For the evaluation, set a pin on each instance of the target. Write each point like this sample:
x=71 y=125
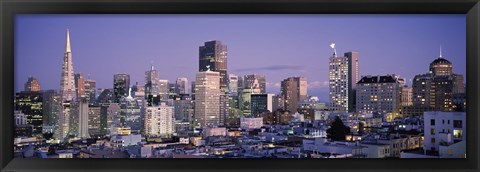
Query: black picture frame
x=9 y=8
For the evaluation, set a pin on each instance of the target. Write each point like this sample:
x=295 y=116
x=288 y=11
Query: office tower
x=20 y=118
x=22 y=128
x=79 y=85
x=207 y=99
x=94 y=121
x=380 y=94
x=184 y=107
x=171 y=90
x=181 y=86
x=67 y=83
x=261 y=103
x=51 y=107
x=164 y=90
x=343 y=76
x=113 y=118
x=255 y=81
x=106 y=97
x=32 y=84
x=294 y=91
x=444 y=130
x=159 y=121
x=90 y=91
x=434 y=91
x=407 y=96
x=241 y=84
x=245 y=101
x=277 y=102
x=131 y=110
x=193 y=90
x=152 y=85
x=232 y=84
x=31 y=104
x=138 y=91
x=63 y=125
x=83 y=118
x=121 y=86
x=213 y=57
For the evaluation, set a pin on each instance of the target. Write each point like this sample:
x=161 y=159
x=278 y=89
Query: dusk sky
x=277 y=46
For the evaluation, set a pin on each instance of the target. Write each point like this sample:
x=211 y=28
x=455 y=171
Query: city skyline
x=94 y=46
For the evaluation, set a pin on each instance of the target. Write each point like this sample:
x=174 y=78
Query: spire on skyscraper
x=67 y=46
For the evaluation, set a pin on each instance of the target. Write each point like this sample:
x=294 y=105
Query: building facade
x=294 y=91
x=213 y=57
x=207 y=99
x=343 y=76
x=379 y=94
x=32 y=84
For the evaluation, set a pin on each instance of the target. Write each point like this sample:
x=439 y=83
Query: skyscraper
x=31 y=104
x=79 y=85
x=261 y=103
x=90 y=91
x=434 y=90
x=67 y=83
x=294 y=91
x=121 y=86
x=207 y=99
x=164 y=90
x=213 y=57
x=51 y=106
x=181 y=86
x=83 y=118
x=233 y=84
x=255 y=81
x=343 y=76
x=32 y=84
x=152 y=85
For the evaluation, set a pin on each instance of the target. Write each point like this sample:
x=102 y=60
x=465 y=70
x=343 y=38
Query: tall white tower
x=67 y=83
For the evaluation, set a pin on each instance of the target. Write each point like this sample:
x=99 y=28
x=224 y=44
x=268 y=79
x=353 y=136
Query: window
x=432 y=122
x=450 y=152
x=432 y=141
x=432 y=131
x=457 y=124
x=457 y=134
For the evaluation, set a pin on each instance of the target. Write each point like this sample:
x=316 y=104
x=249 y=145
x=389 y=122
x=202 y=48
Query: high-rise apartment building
x=380 y=94
x=343 y=76
x=159 y=121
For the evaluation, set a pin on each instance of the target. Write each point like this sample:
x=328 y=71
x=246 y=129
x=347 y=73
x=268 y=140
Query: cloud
x=272 y=68
x=318 y=84
x=273 y=85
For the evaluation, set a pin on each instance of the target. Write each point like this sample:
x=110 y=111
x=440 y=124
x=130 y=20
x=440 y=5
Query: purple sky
x=278 y=46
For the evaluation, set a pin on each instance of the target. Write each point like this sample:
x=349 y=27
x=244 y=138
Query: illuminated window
x=457 y=133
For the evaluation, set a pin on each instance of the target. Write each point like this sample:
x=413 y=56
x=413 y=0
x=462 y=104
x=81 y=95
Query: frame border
x=9 y=8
